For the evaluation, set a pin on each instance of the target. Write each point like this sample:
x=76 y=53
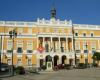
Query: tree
x=96 y=56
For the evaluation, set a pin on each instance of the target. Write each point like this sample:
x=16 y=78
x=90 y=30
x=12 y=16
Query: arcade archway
x=63 y=59
x=48 y=58
x=70 y=62
x=56 y=58
x=48 y=62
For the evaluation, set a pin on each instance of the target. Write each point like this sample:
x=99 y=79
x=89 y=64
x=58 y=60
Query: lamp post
x=0 y=51
x=12 y=34
x=87 y=53
x=73 y=32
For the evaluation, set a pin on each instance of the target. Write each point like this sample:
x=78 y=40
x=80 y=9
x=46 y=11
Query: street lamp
x=87 y=53
x=12 y=34
x=0 y=51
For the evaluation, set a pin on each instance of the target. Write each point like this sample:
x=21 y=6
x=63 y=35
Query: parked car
x=4 y=67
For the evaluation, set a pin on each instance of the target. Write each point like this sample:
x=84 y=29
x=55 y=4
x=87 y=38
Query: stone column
x=37 y=42
x=49 y=44
x=73 y=62
x=72 y=44
x=43 y=42
x=51 y=48
x=98 y=44
x=59 y=45
x=66 y=44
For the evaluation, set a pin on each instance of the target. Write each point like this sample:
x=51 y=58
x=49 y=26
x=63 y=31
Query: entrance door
x=48 y=62
x=55 y=60
x=77 y=62
x=70 y=62
x=86 y=61
x=41 y=62
x=63 y=59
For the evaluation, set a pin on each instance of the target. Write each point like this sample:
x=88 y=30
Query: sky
x=79 y=11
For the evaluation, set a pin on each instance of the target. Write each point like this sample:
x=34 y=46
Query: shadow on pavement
x=5 y=76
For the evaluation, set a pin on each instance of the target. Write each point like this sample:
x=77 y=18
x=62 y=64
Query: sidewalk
x=30 y=76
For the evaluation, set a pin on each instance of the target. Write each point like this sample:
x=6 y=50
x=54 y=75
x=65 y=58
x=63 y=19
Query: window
x=9 y=51
x=29 y=51
x=85 y=51
x=78 y=51
x=19 y=62
x=62 y=48
x=93 y=46
x=20 y=46
x=29 y=62
x=19 y=50
x=47 y=47
x=85 y=45
x=9 y=62
x=84 y=34
x=93 y=50
x=77 y=45
x=9 y=46
x=29 y=47
x=76 y=34
x=91 y=34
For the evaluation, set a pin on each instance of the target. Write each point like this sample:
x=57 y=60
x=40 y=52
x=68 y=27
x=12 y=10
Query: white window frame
x=29 y=63
x=19 y=63
x=92 y=33
x=85 y=34
x=76 y=31
x=9 y=62
x=93 y=45
x=20 y=43
x=9 y=44
x=77 y=45
x=84 y=45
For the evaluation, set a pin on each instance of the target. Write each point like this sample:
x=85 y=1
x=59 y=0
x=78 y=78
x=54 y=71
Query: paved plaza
x=75 y=74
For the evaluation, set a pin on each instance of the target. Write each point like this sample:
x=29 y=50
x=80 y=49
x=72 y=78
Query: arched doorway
x=48 y=62
x=48 y=58
x=63 y=59
x=70 y=62
x=56 y=60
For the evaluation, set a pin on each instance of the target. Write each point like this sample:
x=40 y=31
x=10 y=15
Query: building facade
x=55 y=41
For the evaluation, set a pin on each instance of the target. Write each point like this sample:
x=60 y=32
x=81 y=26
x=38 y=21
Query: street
x=75 y=74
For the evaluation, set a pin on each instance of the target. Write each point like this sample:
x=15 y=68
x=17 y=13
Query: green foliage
x=43 y=67
x=67 y=66
x=81 y=66
x=20 y=70
x=95 y=65
x=96 y=56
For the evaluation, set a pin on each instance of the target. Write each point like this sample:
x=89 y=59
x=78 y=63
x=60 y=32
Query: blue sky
x=79 y=11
